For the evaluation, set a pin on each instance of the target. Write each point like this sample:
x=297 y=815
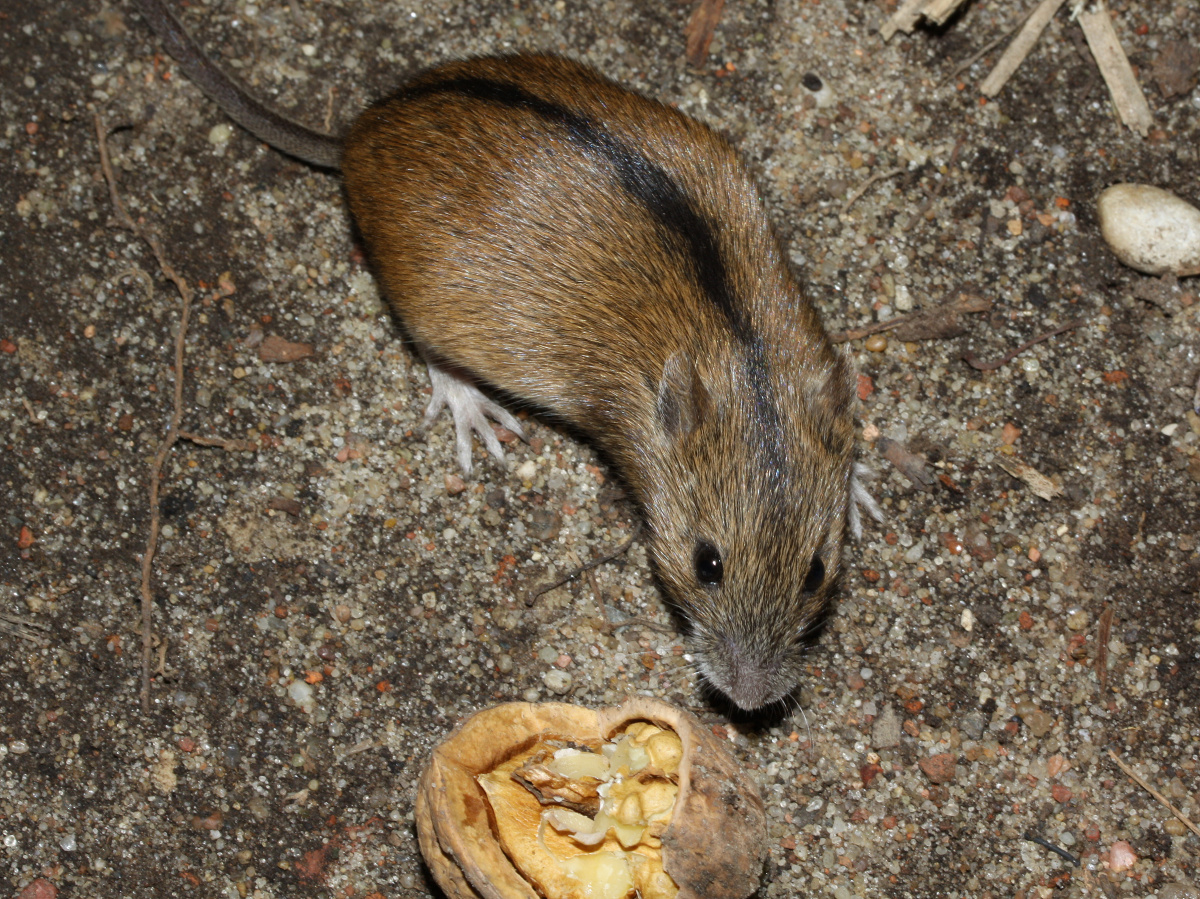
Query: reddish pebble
x=1026 y=621
x=31 y=128
x=273 y=347
x=25 y=538
x=952 y=543
x=187 y=744
x=7 y=346
x=1009 y=433
x=1121 y=856
x=211 y=821
x=563 y=661
x=868 y=773
x=940 y=768
x=454 y=484
x=1060 y=793
x=866 y=387
x=39 y=889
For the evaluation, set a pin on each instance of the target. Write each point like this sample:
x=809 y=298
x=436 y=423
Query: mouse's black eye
x=708 y=565
x=815 y=576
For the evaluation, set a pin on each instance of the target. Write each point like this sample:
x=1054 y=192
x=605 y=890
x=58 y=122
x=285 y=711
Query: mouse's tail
x=264 y=123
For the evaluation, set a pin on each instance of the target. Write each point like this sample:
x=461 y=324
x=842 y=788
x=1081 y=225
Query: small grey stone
x=558 y=681
x=885 y=732
x=1179 y=891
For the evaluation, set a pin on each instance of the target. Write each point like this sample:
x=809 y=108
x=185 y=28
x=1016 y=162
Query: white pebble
x=1150 y=229
x=219 y=135
x=302 y=694
x=558 y=681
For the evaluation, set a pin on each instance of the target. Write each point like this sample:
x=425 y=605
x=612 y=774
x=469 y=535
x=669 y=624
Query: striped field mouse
x=545 y=233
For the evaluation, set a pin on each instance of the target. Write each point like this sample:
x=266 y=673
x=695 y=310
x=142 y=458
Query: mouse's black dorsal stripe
x=654 y=189
x=669 y=205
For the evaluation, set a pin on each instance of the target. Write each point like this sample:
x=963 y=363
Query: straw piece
x=904 y=19
x=1020 y=47
x=938 y=11
x=1118 y=73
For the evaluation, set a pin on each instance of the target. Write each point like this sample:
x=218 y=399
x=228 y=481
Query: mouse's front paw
x=471 y=411
x=861 y=499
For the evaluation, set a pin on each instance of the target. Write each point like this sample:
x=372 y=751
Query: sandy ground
x=328 y=604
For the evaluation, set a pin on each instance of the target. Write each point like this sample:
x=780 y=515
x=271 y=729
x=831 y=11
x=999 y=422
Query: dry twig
x=972 y=360
x=173 y=435
x=1036 y=481
x=1133 y=775
x=1106 y=618
x=974 y=58
x=912 y=465
x=586 y=566
x=1021 y=46
x=25 y=628
x=700 y=28
x=940 y=321
x=866 y=185
x=939 y=11
x=903 y=19
x=1118 y=74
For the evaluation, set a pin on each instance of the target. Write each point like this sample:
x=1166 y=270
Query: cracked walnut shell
x=496 y=822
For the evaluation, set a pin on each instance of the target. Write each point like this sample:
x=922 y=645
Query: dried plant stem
x=866 y=185
x=587 y=566
x=173 y=435
x=975 y=363
x=700 y=29
x=1035 y=23
x=1102 y=638
x=1118 y=74
x=1133 y=775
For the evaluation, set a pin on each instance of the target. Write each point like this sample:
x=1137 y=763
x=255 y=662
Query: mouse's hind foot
x=471 y=410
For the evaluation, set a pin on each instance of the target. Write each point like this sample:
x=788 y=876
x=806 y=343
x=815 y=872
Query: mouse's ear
x=683 y=401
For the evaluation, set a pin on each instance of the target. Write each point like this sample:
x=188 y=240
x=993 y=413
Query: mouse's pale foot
x=861 y=499
x=471 y=411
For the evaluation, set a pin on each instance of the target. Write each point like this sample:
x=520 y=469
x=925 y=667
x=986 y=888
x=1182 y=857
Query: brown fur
x=507 y=251
x=606 y=258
